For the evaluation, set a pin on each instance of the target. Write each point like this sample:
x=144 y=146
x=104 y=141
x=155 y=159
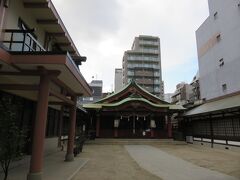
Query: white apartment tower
x=218 y=46
x=143 y=64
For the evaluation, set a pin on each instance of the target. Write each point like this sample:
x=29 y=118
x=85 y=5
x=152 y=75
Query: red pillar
x=116 y=132
x=169 y=127
x=71 y=135
x=36 y=162
x=152 y=133
x=60 y=127
x=98 y=125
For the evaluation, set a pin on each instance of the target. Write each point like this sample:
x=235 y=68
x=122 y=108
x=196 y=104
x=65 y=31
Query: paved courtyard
x=110 y=162
x=224 y=161
x=148 y=162
x=170 y=167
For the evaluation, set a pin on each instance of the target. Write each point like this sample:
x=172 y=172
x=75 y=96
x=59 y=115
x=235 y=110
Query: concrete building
x=218 y=45
x=118 y=81
x=194 y=97
x=143 y=64
x=216 y=122
x=168 y=97
x=182 y=93
x=96 y=86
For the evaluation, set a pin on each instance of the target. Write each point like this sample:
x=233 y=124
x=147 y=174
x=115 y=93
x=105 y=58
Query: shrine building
x=132 y=112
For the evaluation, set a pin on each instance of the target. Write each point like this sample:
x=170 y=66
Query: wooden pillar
x=60 y=126
x=71 y=135
x=115 y=132
x=36 y=162
x=169 y=126
x=211 y=130
x=152 y=133
x=98 y=125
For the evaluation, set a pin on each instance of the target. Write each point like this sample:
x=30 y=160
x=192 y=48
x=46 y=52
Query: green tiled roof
x=124 y=88
x=130 y=99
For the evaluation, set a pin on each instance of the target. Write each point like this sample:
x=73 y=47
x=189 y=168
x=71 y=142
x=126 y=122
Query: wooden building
x=214 y=123
x=39 y=67
x=131 y=113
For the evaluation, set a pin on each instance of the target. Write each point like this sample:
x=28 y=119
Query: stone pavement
x=110 y=162
x=54 y=167
x=169 y=167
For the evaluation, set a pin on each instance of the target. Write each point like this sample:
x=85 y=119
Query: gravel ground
x=110 y=162
x=225 y=161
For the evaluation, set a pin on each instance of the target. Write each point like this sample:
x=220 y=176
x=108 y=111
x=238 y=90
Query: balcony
x=144 y=42
x=145 y=66
x=21 y=40
x=148 y=50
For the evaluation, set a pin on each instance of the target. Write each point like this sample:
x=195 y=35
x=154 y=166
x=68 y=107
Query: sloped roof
x=218 y=105
x=132 y=99
x=134 y=85
x=138 y=94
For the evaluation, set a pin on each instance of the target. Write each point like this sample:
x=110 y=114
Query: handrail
x=72 y=61
x=19 y=30
x=31 y=45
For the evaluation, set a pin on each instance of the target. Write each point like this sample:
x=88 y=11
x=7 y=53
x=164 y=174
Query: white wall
x=210 y=51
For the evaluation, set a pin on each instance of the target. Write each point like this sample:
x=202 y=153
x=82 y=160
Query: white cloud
x=104 y=29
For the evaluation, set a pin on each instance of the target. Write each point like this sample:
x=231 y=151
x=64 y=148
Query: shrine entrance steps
x=112 y=141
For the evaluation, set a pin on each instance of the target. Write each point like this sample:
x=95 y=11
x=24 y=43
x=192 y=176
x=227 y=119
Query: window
x=224 y=87
x=221 y=62
x=218 y=37
x=215 y=15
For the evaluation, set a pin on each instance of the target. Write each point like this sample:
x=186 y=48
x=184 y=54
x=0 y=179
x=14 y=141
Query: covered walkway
x=54 y=167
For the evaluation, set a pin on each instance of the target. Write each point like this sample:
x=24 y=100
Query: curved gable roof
x=130 y=89
x=133 y=99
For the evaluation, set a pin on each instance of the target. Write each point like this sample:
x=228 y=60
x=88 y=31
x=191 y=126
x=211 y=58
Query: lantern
x=116 y=123
x=152 y=123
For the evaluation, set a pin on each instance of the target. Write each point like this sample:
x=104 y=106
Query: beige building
x=182 y=94
x=143 y=64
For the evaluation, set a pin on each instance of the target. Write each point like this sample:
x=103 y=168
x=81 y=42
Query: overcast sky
x=103 y=29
